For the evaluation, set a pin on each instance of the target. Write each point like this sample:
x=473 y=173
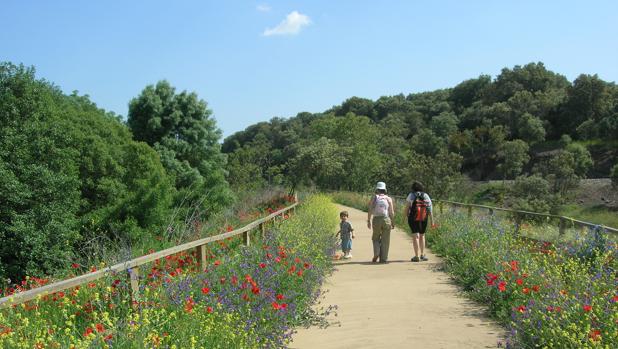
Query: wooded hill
x=528 y=121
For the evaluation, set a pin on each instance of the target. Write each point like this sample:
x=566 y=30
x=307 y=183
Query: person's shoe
x=374 y=259
x=423 y=258
x=414 y=259
x=349 y=255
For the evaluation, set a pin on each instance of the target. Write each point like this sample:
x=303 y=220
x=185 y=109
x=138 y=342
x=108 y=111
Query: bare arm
x=369 y=210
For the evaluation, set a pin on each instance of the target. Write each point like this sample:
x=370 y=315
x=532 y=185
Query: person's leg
x=421 y=243
x=375 y=238
x=415 y=241
x=386 y=240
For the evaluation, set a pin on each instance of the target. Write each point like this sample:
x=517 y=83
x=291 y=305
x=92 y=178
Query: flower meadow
x=562 y=295
x=548 y=295
x=244 y=297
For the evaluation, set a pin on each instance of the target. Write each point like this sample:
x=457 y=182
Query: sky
x=254 y=60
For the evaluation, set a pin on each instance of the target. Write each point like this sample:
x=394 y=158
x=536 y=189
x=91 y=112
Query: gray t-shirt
x=346 y=230
x=412 y=196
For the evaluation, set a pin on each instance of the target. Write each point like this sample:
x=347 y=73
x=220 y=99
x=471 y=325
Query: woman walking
x=419 y=210
x=383 y=211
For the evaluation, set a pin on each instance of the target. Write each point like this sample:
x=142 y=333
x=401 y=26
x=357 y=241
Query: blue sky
x=253 y=60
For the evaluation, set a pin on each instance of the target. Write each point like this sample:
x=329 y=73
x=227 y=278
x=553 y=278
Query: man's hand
x=353 y=236
x=369 y=224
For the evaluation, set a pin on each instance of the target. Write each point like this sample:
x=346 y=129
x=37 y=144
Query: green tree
x=320 y=162
x=513 y=156
x=181 y=129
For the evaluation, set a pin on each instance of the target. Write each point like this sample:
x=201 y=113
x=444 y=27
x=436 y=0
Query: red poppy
x=255 y=290
x=526 y=290
x=514 y=265
x=306 y=265
x=519 y=281
x=594 y=335
x=615 y=299
x=284 y=305
x=100 y=328
x=74 y=265
x=299 y=273
x=93 y=269
x=502 y=286
x=209 y=309
x=217 y=262
x=108 y=337
x=262 y=265
x=521 y=308
x=88 y=331
x=205 y=290
x=587 y=308
x=280 y=296
x=535 y=288
x=276 y=305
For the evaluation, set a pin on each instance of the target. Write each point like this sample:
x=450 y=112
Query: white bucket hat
x=381 y=186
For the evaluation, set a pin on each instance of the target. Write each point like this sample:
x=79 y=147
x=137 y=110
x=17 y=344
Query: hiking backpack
x=418 y=209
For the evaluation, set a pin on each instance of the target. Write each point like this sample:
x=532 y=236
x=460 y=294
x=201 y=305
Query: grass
x=594 y=214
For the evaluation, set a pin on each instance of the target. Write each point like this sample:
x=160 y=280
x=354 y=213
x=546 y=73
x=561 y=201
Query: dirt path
x=397 y=305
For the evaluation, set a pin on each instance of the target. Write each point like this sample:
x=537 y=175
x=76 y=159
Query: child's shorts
x=346 y=244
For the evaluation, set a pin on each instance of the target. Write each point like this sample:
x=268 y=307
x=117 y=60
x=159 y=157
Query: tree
x=319 y=162
x=444 y=124
x=531 y=194
x=530 y=129
x=614 y=176
x=582 y=160
x=180 y=128
x=514 y=155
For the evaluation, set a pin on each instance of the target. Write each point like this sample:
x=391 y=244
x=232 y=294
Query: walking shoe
x=423 y=258
x=414 y=259
x=374 y=259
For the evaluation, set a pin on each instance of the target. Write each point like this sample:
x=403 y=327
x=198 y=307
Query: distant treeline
x=528 y=123
x=75 y=178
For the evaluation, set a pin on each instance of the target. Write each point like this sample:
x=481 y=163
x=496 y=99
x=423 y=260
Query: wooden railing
x=132 y=267
x=519 y=214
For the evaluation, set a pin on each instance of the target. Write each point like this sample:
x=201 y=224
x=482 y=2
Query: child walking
x=346 y=232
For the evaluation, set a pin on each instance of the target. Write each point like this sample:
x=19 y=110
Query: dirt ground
x=397 y=305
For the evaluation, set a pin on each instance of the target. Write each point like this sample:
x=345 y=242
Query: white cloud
x=263 y=8
x=291 y=25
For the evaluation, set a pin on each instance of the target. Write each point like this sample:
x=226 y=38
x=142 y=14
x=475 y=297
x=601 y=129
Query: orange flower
x=100 y=328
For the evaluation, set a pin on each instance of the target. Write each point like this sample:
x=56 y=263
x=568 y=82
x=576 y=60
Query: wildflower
x=217 y=262
x=262 y=265
x=594 y=334
x=615 y=299
x=255 y=290
x=205 y=290
x=88 y=331
x=276 y=305
x=519 y=281
x=514 y=265
x=209 y=309
x=100 y=328
x=189 y=305
x=284 y=305
x=521 y=308
x=502 y=286
x=526 y=290
x=74 y=265
x=587 y=308
x=280 y=296
x=535 y=288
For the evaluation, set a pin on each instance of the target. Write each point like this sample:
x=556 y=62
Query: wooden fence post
x=201 y=255
x=491 y=211
x=134 y=280
x=246 y=237
x=517 y=222
x=469 y=211
x=562 y=226
x=263 y=230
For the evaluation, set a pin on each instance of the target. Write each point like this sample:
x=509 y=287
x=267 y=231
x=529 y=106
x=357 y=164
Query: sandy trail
x=397 y=305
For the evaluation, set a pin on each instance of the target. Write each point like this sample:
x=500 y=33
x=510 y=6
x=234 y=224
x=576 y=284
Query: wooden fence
x=132 y=267
x=563 y=221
